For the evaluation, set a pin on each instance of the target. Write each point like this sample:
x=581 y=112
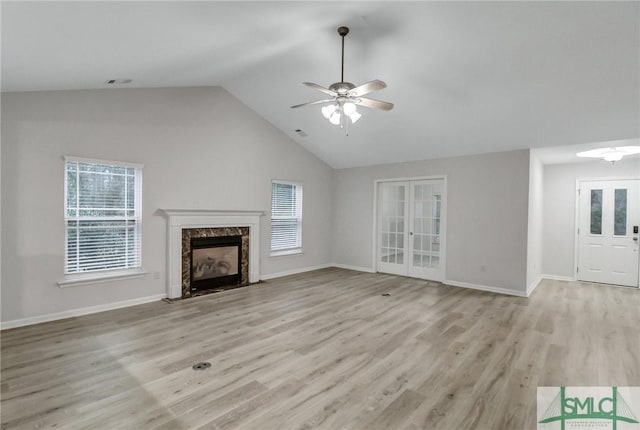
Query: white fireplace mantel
x=180 y=219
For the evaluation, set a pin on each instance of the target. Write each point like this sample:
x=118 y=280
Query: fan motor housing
x=342 y=87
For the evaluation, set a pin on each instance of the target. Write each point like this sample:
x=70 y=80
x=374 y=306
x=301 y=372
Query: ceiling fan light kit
x=341 y=109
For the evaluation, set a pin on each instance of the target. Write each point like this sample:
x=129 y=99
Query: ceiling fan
x=341 y=109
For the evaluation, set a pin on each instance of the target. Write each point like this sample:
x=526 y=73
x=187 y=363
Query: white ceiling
x=466 y=77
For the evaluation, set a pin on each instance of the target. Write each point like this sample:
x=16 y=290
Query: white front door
x=410 y=230
x=609 y=218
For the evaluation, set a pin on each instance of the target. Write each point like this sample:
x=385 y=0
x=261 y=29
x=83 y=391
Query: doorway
x=608 y=222
x=410 y=228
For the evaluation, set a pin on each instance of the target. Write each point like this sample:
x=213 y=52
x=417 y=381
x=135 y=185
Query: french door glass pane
x=620 y=218
x=427 y=243
x=426 y=225
x=392 y=225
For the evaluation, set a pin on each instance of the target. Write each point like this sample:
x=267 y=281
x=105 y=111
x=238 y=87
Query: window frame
x=103 y=275
x=300 y=195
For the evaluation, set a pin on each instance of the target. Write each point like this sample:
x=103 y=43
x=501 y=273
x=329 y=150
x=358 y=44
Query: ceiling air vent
x=118 y=81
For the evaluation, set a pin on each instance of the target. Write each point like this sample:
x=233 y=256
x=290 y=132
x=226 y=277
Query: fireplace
x=215 y=262
x=185 y=224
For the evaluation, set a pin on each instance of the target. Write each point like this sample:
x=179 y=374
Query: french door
x=609 y=217
x=410 y=228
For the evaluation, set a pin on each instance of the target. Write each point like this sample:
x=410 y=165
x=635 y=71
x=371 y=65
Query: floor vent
x=201 y=366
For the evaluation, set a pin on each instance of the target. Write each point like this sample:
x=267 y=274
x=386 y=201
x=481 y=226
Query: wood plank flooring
x=322 y=349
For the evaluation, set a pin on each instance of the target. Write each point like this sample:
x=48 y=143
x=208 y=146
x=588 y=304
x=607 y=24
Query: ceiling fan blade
x=369 y=87
x=320 y=88
x=371 y=103
x=312 y=103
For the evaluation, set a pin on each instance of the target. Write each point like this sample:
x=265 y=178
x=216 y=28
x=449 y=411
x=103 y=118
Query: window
x=620 y=212
x=596 y=212
x=102 y=216
x=286 y=218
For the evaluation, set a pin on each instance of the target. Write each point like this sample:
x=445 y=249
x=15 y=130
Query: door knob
x=635 y=238
x=411 y=234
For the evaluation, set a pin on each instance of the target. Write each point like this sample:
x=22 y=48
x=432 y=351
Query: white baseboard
x=558 y=278
x=533 y=285
x=81 y=311
x=486 y=288
x=294 y=271
x=356 y=268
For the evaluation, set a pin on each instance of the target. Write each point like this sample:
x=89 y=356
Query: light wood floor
x=322 y=350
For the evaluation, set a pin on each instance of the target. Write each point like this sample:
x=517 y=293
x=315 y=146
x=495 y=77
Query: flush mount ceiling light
x=341 y=108
x=610 y=154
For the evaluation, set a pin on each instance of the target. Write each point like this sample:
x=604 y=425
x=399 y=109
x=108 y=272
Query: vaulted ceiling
x=465 y=77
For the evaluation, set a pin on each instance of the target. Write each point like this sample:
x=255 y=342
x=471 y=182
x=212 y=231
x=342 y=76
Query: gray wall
x=509 y=217
x=487 y=202
x=535 y=229
x=202 y=149
x=560 y=208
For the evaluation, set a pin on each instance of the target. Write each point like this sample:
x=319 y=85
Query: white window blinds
x=286 y=216
x=102 y=215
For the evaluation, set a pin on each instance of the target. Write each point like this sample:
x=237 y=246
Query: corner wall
x=202 y=149
x=535 y=221
x=487 y=204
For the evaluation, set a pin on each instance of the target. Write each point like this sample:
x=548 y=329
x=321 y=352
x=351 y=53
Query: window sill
x=285 y=252
x=97 y=278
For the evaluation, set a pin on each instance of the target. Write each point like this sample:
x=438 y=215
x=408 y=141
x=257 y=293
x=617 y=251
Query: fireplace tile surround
x=214 y=222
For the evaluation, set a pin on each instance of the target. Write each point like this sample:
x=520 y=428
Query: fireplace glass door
x=209 y=263
x=215 y=262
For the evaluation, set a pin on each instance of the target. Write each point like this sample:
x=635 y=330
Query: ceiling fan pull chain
x=347 y=121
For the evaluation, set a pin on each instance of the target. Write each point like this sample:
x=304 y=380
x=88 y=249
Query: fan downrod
x=342 y=31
